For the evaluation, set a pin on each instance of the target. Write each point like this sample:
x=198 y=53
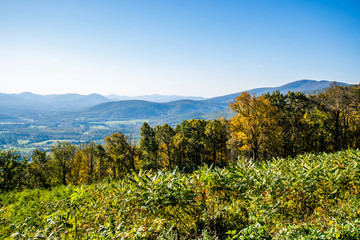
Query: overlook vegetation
x=207 y=179
x=306 y=197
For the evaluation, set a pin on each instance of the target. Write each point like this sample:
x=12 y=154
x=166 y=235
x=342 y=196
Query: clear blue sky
x=184 y=47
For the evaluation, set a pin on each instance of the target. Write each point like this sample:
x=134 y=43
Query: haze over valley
x=29 y=121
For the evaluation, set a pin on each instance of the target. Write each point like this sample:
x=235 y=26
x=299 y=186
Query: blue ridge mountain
x=184 y=109
x=31 y=102
x=95 y=106
x=29 y=120
x=139 y=109
x=154 y=98
x=304 y=86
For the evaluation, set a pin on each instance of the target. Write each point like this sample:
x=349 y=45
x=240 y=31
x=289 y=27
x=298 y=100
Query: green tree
x=165 y=137
x=121 y=154
x=11 y=170
x=338 y=103
x=149 y=146
x=62 y=159
x=216 y=139
x=292 y=110
x=102 y=162
x=196 y=139
x=189 y=142
x=180 y=156
x=39 y=170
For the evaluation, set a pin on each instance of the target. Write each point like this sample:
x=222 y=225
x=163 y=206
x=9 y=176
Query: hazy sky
x=185 y=47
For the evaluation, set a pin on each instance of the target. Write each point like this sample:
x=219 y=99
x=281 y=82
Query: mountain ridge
x=52 y=102
x=154 y=98
x=85 y=121
x=304 y=86
x=141 y=109
x=34 y=103
x=180 y=109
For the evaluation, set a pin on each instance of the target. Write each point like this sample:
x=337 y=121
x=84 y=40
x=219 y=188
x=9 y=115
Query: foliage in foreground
x=310 y=196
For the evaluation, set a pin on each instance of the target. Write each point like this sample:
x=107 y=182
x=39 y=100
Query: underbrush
x=307 y=197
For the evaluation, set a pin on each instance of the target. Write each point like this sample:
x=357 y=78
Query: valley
x=29 y=121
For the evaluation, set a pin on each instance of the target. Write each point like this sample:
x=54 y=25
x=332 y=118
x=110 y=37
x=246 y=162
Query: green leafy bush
x=306 y=197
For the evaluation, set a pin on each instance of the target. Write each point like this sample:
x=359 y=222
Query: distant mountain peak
x=27 y=94
x=52 y=102
x=59 y=102
x=303 y=85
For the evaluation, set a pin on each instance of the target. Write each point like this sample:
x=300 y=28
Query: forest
x=282 y=167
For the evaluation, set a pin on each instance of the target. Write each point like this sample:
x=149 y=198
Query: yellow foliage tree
x=256 y=126
x=77 y=167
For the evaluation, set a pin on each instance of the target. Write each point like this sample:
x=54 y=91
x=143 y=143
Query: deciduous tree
x=149 y=145
x=121 y=154
x=11 y=170
x=39 y=170
x=63 y=154
x=256 y=125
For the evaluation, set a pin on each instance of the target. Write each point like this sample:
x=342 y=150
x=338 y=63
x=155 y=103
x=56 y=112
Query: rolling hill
x=304 y=86
x=145 y=106
x=138 y=109
x=154 y=98
x=185 y=109
x=30 y=102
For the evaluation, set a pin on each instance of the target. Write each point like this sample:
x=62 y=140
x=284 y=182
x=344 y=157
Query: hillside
x=30 y=102
x=154 y=98
x=304 y=86
x=137 y=109
x=94 y=105
x=185 y=109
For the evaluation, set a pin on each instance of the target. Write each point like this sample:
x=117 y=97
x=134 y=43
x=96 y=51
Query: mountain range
x=54 y=102
x=154 y=98
x=304 y=86
x=170 y=112
x=176 y=111
x=29 y=121
x=98 y=107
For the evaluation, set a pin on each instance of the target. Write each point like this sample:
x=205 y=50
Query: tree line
x=263 y=127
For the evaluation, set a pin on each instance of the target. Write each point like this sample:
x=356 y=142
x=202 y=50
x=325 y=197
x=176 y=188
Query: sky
x=202 y=48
